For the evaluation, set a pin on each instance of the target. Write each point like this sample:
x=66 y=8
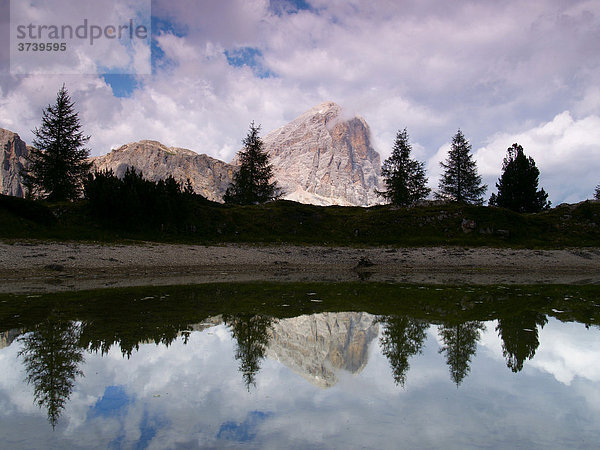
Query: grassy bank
x=288 y=222
x=136 y=315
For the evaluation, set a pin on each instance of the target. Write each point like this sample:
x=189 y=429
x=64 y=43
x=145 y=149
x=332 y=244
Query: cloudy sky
x=503 y=72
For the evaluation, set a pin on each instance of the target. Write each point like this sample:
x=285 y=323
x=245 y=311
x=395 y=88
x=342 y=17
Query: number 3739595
x=42 y=46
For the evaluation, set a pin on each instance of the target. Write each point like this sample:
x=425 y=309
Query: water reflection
x=52 y=355
x=401 y=339
x=405 y=328
x=318 y=346
x=251 y=335
x=519 y=336
x=459 y=345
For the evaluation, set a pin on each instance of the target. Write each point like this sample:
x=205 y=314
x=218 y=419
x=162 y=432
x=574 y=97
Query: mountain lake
x=302 y=365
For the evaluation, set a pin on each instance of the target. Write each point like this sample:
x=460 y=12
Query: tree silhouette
x=518 y=184
x=460 y=181
x=51 y=356
x=460 y=344
x=404 y=177
x=252 y=182
x=401 y=339
x=252 y=337
x=597 y=193
x=58 y=162
x=519 y=336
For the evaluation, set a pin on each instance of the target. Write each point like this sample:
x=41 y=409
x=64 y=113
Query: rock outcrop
x=209 y=177
x=318 y=346
x=13 y=152
x=324 y=159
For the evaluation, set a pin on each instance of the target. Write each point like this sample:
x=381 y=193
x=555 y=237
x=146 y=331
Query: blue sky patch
x=281 y=7
x=244 y=431
x=112 y=403
x=250 y=57
x=165 y=26
x=122 y=85
x=148 y=429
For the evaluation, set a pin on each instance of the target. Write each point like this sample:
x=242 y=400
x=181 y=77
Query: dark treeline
x=133 y=202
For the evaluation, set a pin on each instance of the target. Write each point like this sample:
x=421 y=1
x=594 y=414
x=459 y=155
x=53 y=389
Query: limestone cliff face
x=318 y=346
x=209 y=177
x=324 y=159
x=8 y=337
x=13 y=152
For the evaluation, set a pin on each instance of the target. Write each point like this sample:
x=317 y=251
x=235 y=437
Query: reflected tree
x=99 y=336
x=402 y=338
x=51 y=355
x=520 y=338
x=460 y=344
x=251 y=333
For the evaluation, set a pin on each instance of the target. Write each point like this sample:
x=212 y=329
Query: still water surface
x=272 y=366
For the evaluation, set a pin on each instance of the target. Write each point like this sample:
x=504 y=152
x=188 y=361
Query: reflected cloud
x=569 y=351
x=193 y=379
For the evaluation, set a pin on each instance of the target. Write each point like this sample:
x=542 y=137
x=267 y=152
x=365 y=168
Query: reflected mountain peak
x=7 y=337
x=316 y=347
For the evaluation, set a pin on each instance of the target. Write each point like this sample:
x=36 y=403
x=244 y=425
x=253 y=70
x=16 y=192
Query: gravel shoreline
x=32 y=267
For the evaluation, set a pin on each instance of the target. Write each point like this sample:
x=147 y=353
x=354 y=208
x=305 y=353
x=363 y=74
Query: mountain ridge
x=319 y=158
x=209 y=176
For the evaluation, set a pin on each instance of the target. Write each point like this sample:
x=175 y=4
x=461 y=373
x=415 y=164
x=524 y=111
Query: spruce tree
x=518 y=184
x=252 y=182
x=460 y=181
x=58 y=162
x=597 y=193
x=404 y=177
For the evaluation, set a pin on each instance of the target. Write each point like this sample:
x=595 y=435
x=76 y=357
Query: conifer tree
x=518 y=184
x=597 y=193
x=252 y=182
x=58 y=162
x=460 y=181
x=404 y=177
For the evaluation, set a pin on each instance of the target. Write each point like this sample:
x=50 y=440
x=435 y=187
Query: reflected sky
x=193 y=395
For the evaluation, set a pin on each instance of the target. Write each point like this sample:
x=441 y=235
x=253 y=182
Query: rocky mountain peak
x=209 y=177
x=13 y=152
x=321 y=157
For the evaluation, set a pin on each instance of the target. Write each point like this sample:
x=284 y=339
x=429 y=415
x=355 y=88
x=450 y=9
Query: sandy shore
x=27 y=267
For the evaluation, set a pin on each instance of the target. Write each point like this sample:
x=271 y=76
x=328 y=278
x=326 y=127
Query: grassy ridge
x=289 y=222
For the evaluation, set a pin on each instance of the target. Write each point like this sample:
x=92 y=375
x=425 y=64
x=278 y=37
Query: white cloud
x=566 y=150
x=495 y=70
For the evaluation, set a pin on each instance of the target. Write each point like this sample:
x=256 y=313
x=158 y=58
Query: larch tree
x=58 y=162
x=252 y=182
x=460 y=181
x=404 y=177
